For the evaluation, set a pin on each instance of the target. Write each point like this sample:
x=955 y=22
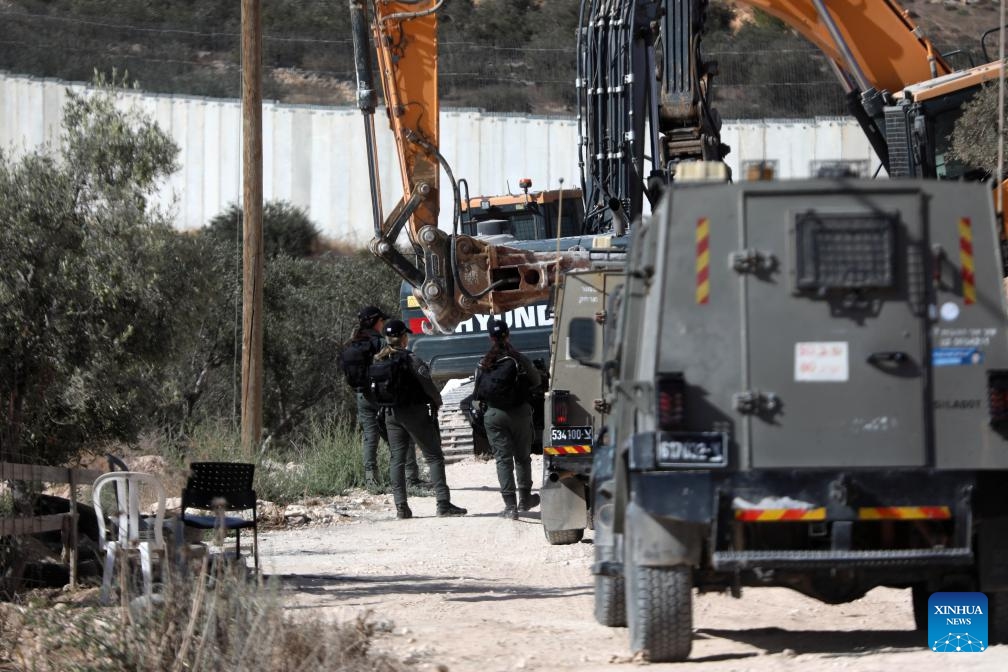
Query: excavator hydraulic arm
x=457 y=275
x=875 y=42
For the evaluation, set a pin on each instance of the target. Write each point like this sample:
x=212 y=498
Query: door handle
x=888 y=357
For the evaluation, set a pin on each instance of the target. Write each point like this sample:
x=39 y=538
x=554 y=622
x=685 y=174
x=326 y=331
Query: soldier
x=505 y=381
x=402 y=385
x=354 y=360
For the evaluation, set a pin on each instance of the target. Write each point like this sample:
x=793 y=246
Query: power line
x=266 y=36
x=218 y=64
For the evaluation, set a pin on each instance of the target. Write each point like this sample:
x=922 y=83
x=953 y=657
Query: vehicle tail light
x=670 y=392
x=561 y=407
x=997 y=396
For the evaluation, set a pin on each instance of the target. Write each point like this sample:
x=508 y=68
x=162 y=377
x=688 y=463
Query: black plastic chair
x=227 y=486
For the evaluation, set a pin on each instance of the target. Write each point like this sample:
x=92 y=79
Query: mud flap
x=564 y=505
x=654 y=542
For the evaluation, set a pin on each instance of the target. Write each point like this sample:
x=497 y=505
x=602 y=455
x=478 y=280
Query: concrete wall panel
x=314 y=156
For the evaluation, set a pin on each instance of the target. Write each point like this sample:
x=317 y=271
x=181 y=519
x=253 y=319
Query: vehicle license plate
x=571 y=436
x=691 y=449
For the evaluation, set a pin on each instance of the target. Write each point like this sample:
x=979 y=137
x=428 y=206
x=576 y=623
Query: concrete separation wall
x=314 y=156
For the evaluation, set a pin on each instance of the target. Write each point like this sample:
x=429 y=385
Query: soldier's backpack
x=499 y=386
x=392 y=381
x=355 y=359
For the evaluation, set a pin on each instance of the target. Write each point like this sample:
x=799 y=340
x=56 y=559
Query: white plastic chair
x=135 y=534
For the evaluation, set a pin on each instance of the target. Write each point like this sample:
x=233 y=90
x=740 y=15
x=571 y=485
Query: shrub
x=322 y=460
x=286 y=229
x=215 y=620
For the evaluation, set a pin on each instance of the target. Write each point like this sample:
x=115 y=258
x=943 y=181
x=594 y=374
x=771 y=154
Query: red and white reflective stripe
x=566 y=450
x=779 y=515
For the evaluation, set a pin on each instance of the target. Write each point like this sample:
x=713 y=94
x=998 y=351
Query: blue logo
x=957 y=622
x=956 y=357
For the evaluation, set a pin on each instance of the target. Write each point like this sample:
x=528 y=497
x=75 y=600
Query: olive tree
x=975 y=136
x=86 y=281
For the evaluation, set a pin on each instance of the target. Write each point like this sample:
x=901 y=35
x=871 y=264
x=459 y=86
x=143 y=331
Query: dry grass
x=212 y=620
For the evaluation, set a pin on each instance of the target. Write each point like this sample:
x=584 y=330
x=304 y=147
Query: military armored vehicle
x=576 y=409
x=810 y=391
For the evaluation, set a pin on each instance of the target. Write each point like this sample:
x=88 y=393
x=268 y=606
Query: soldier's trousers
x=372 y=429
x=415 y=422
x=510 y=434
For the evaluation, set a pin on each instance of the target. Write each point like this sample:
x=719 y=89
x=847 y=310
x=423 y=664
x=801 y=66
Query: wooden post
x=252 y=206
x=74 y=521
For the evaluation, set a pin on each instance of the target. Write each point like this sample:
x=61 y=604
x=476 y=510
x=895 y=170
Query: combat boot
x=449 y=509
x=510 y=507
x=403 y=511
x=527 y=501
x=370 y=482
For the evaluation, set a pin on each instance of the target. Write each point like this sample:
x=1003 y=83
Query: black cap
x=396 y=328
x=368 y=315
x=499 y=329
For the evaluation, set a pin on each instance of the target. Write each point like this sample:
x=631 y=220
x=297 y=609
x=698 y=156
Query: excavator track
x=456 y=433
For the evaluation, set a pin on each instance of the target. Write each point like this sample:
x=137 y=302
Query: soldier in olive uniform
x=414 y=415
x=371 y=321
x=508 y=418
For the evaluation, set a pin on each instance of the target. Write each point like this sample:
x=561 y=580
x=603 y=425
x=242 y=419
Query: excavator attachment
x=455 y=276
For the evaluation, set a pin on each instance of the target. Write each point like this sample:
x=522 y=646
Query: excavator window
x=528 y=227
x=946 y=167
x=532 y=222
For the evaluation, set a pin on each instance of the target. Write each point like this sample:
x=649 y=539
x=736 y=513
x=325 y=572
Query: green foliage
x=303 y=327
x=81 y=333
x=324 y=460
x=114 y=323
x=975 y=135
x=310 y=307
x=113 y=152
x=286 y=229
x=323 y=457
x=310 y=310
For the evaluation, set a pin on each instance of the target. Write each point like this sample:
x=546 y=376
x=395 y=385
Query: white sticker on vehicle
x=821 y=362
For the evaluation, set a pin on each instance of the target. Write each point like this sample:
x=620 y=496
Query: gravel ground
x=481 y=594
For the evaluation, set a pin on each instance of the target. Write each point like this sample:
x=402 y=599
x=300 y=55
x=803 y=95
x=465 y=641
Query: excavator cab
x=922 y=122
x=524 y=216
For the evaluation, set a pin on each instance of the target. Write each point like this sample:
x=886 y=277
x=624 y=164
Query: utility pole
x=252 y=252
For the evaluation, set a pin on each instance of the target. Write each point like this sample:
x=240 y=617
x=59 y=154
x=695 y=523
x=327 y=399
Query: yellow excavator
x=645 y=105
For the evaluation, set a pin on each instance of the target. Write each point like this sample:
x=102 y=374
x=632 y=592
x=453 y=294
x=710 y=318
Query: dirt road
x=482 y=594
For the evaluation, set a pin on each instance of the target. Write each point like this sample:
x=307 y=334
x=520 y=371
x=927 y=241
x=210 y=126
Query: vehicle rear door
x=835 y=310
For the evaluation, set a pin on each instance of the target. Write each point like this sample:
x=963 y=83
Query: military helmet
x=499 y=329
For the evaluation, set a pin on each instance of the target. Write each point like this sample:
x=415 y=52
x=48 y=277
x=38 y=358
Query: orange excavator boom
x=459 y=275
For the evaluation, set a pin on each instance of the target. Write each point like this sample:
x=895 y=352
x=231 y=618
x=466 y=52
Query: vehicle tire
x=563 y=537
x=659 y=603
x=610 y=601
x=997 y=625
x=919 y=595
